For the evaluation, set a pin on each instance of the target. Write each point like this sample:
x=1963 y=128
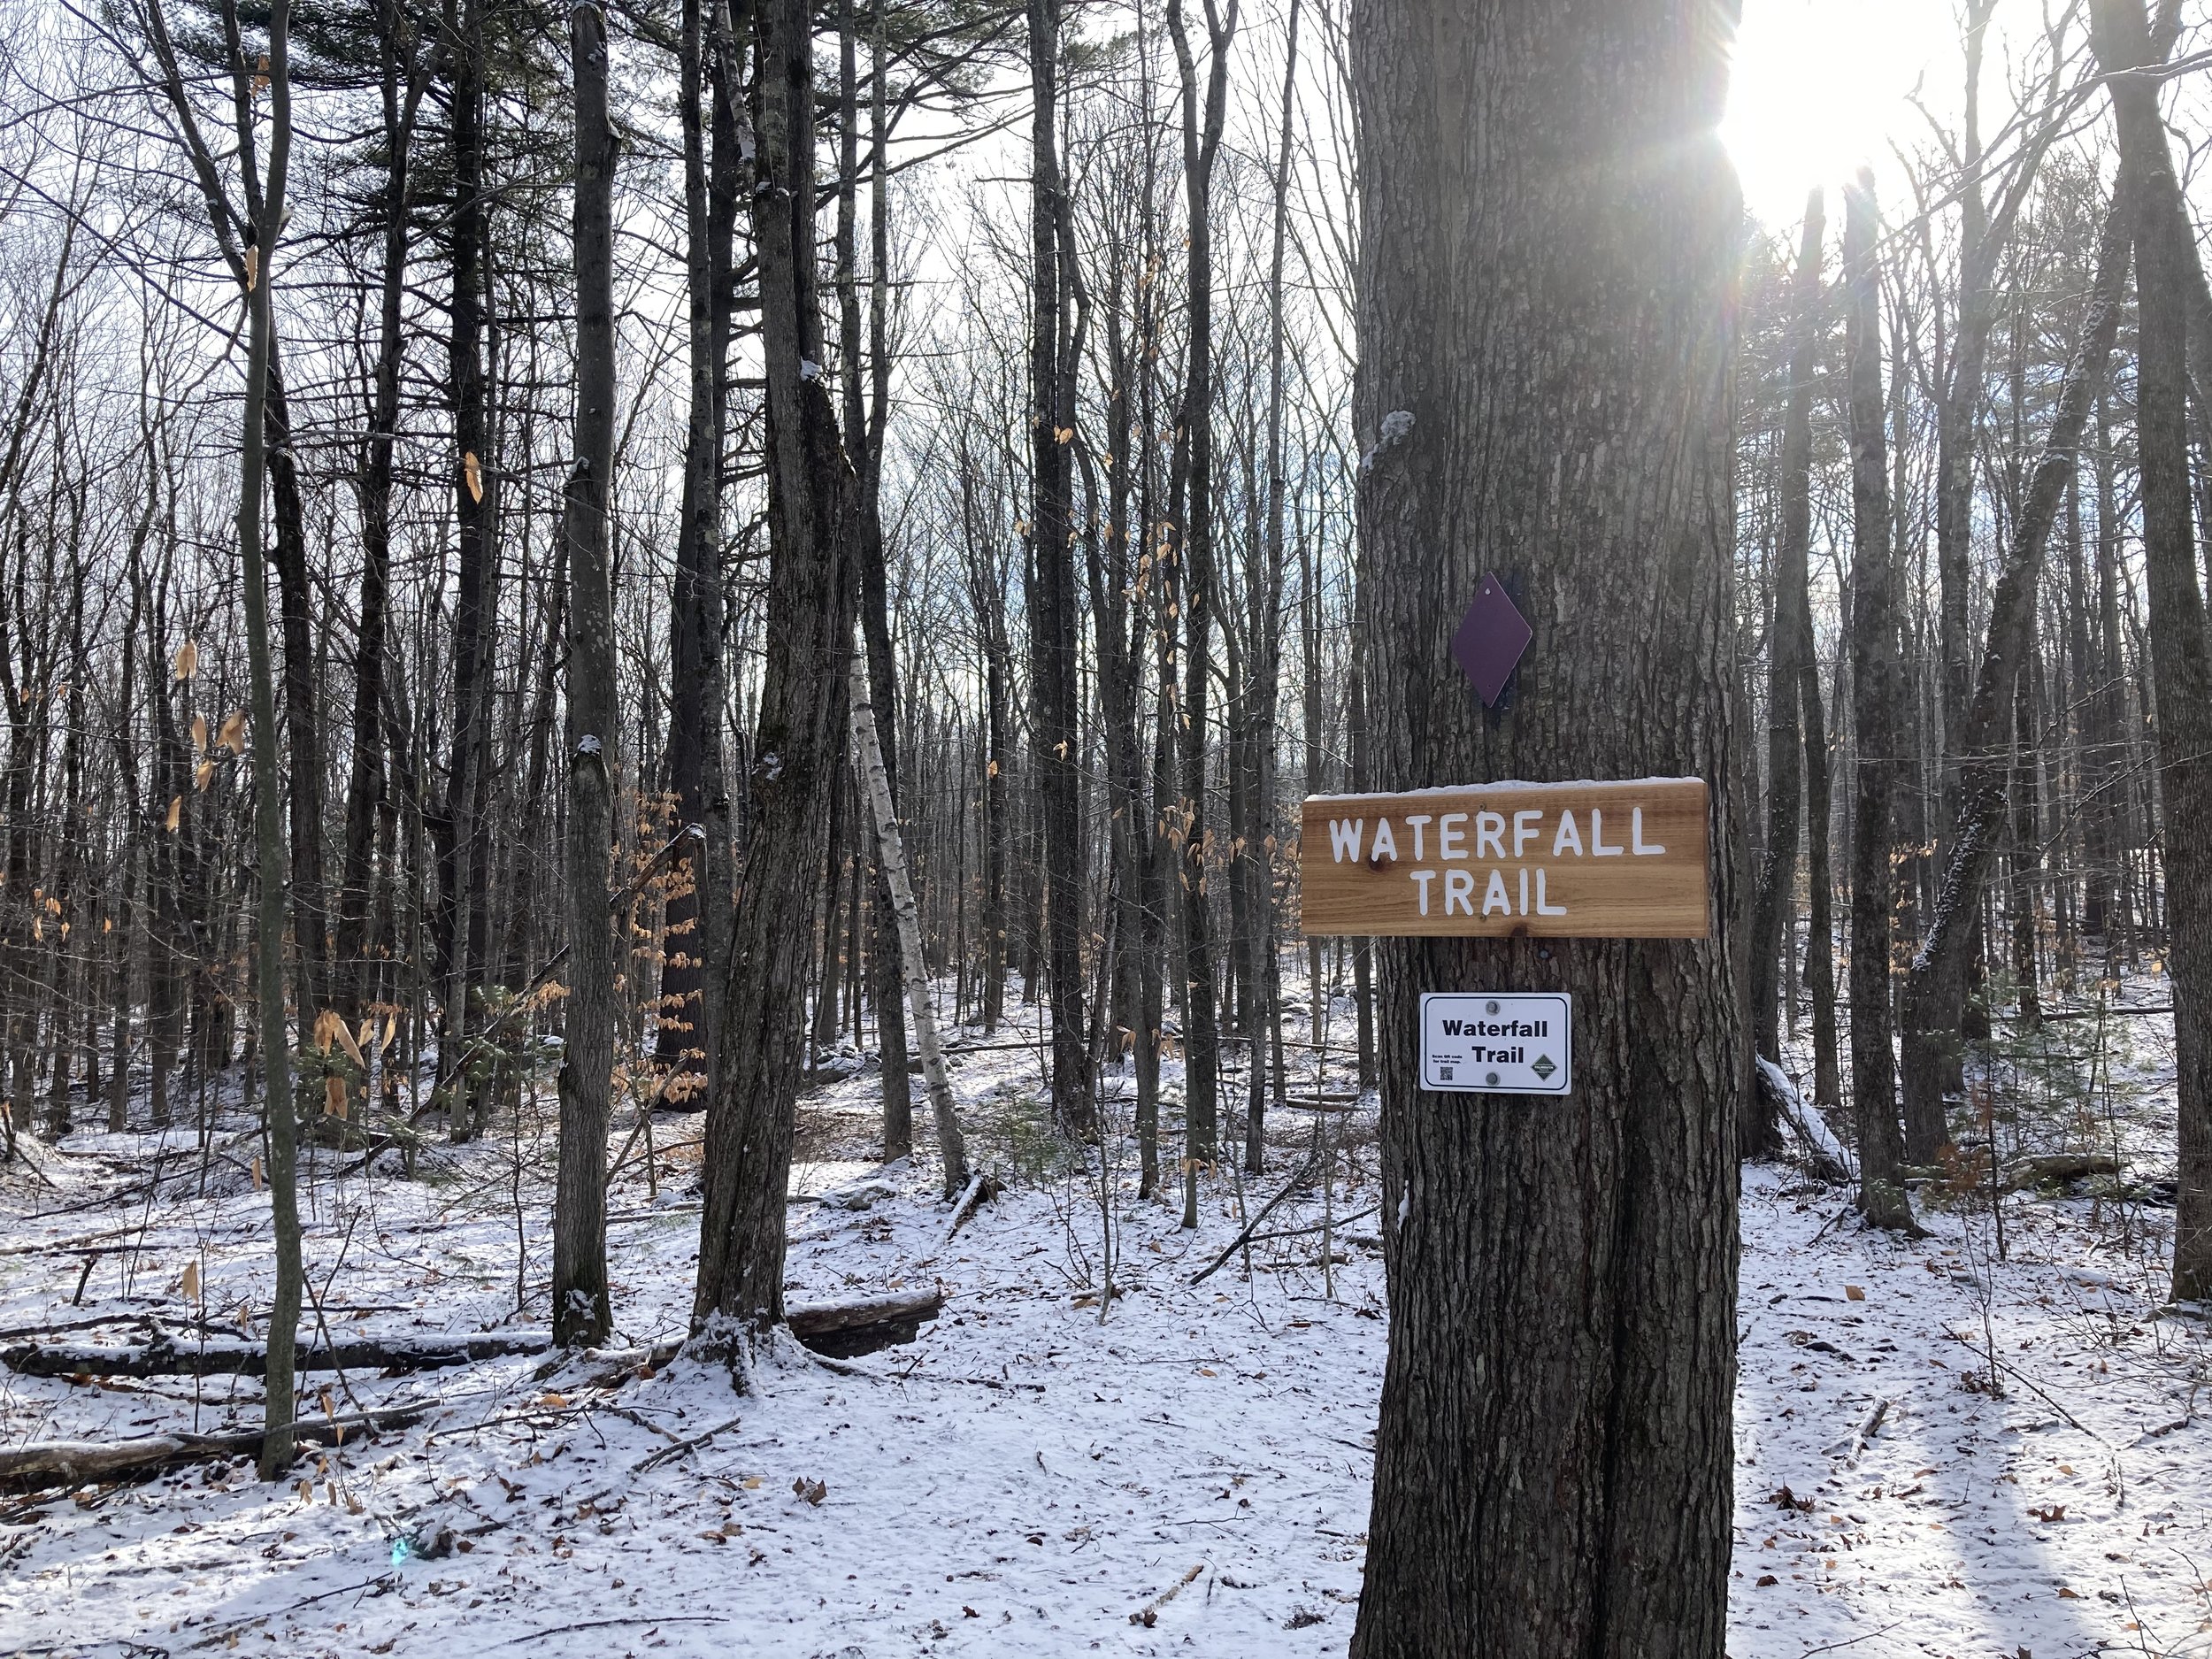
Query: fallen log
x=1825 y=1157
x=228 y=1357
x=844 y=1330
x=980 y=1188
x=2057 y=1166
x=75 y=1463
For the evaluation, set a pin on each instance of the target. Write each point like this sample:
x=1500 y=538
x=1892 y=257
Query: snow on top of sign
x=1498 y=786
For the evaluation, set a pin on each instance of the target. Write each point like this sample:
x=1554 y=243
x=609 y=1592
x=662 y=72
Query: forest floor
x=1940 y=1451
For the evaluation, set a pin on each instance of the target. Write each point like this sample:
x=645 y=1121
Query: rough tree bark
x=1549 y=235
x=1190 y=515
x=403 y=79
x=2181 y=658
x=812 y=502
x=1877 y=706
x=1265 y=597
x=698 y=905
x=1820 y=951
x=1957 y=410
x=457 y=823
x=864 y=441
x=262 y=230
x=581 y=1312
x=1052 y=626
x=1120 y=606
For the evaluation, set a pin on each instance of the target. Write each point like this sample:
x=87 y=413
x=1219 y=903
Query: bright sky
x=1820 y=86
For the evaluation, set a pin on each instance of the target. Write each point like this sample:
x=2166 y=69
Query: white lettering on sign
x=1346 y=836
x=1497 y=1042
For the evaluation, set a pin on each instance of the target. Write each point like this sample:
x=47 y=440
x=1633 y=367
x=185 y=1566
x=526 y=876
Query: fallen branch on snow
x=74 y=1462
x=1252 y=1227
x=980 y=1187
x=225 y=1357
x=1869 y=1427
x=1148 y=1615
x=1824 y=1153
x=653 y=1459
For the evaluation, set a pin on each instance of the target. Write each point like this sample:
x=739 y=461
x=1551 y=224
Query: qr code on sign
x=1446 y=1073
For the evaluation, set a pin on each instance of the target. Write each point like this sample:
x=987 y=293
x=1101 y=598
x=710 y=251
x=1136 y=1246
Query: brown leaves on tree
x=330 y=1027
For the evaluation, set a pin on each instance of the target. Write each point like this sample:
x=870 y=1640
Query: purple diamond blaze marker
x=1491 y=638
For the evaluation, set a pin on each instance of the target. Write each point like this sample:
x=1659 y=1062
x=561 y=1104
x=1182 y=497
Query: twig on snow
x=1305 y=1172
x=1148 y=1615
x=666 y=1453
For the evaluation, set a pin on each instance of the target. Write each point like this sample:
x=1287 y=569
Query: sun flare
x=1819 y=87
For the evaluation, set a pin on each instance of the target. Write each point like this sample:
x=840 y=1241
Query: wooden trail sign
x=1622 y=860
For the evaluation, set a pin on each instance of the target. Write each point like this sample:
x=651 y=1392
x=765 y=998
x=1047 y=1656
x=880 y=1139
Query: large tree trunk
x=581 y=1312
x=2026 y=856
x=302 y=707
x=697 y=907
x=403 y=87
x=2181 y=658
x=988 y=596
x=276 y=1446
x=1935 y=986
x=1191 y=519
x=864 y=430
x=1058 y=748
x=1877 y=694
x=463 y=851
x=1119 y=608
x=1820 y=931
x=1958 y=406
x=1264 y=596
x=1549 y=233
x=813 y=507
x=1759 y=1135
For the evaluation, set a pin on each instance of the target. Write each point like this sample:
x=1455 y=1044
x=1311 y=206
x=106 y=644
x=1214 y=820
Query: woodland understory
x=1980 y=1442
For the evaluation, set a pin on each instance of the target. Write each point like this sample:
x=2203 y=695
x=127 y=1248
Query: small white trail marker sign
x=1497 y=1042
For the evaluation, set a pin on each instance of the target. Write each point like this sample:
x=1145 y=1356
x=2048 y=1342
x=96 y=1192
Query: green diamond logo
x=1543 y=1067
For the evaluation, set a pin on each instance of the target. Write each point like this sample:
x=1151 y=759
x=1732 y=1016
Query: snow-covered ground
x=1981 y=1457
